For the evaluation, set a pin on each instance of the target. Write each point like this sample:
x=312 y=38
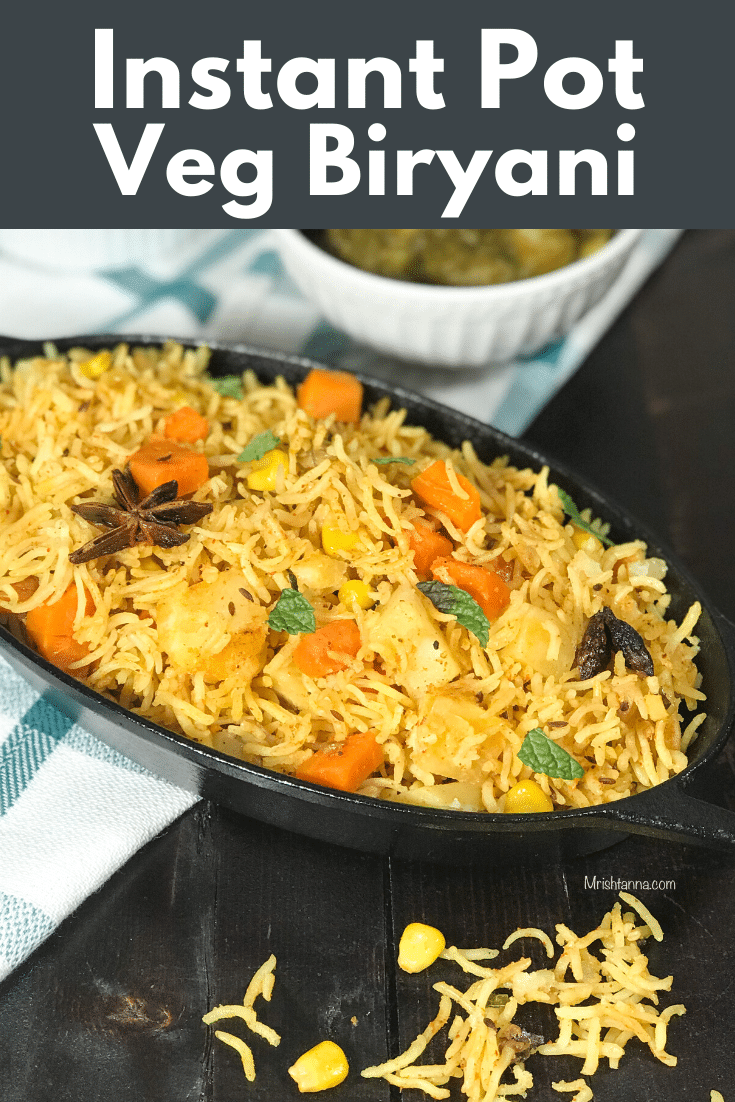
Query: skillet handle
x=671 y=813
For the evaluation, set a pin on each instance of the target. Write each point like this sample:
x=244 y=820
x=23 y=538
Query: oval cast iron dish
x=668 y=811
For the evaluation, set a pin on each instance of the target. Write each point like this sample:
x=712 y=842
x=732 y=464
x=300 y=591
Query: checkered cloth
x=73 y=811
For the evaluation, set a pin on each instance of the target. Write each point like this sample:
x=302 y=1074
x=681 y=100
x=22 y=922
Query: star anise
x=152 y=520
x=604 y=635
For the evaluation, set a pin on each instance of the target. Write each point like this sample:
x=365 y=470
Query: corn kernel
x=525 y=797
x=97 y=366
x=419 y=947
x=320 y=1068
x=354 y=595
x=585 y=541
x=334 y=540
x=264 y=472
x=655 y=707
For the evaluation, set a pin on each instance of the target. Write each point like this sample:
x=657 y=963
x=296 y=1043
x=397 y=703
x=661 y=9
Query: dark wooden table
x=111 y=1005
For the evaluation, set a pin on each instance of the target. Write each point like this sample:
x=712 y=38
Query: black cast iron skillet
x=670 y=811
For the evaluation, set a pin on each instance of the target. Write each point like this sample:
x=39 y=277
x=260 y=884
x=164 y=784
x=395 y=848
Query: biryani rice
x=63 y=434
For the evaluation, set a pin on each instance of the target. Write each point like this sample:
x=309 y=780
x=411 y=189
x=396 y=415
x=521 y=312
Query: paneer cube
x=287 y=679
x=542 y=644
x=455 y=736
x=320 y=572
x=215 y=628
x=410 y=646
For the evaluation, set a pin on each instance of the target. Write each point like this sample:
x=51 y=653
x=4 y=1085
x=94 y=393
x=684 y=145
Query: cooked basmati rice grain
x=584 y=1091
x=531 y=932
x=653 y=925
x=246 y=1053
x=261 y=984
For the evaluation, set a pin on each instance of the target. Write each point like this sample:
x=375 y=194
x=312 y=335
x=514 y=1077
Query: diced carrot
x=485 y=586
x=186 y=425
x=427 y=545
x=435 y=489
x=323 y=392
x=344 y=765
x=50 y=627
x=160 y=460
x=318 y=653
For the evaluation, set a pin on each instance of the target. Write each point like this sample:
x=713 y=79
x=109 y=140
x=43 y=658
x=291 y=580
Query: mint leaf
x=543 y=755
x=573 y=513
x=229 y=386
x=383 y=459
x=259 y=446
x=292 y=613
x=454 y=601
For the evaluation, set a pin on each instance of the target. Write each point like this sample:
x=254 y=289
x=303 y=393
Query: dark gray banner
x=383 y=113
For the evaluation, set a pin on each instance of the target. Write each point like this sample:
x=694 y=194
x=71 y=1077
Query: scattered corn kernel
x=354 y=595
x=264 y=472
x=527 y=796
x=334 y=540
x=320 y=1068
x=585 y=541
x=655 y=706
x=419 y=947
x=97 y=366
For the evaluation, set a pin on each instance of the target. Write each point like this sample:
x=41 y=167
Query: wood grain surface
x=111 y=1005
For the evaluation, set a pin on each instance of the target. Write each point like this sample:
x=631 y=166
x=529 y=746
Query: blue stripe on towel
x=27 y=748
x=92 y=747
x=532 y=387
x=184 y=287
x=324 y=344
x=22 y=928
x=198 y=300
x=16 y=693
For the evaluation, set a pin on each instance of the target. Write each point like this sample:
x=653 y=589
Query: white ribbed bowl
x=452 y=326
x=85 y=250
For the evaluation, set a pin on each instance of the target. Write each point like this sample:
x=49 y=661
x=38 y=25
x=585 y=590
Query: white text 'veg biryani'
x=330 y=592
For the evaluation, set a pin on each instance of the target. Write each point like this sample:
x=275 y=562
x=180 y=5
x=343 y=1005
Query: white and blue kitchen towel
x=230 y=285
x=73 y=811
